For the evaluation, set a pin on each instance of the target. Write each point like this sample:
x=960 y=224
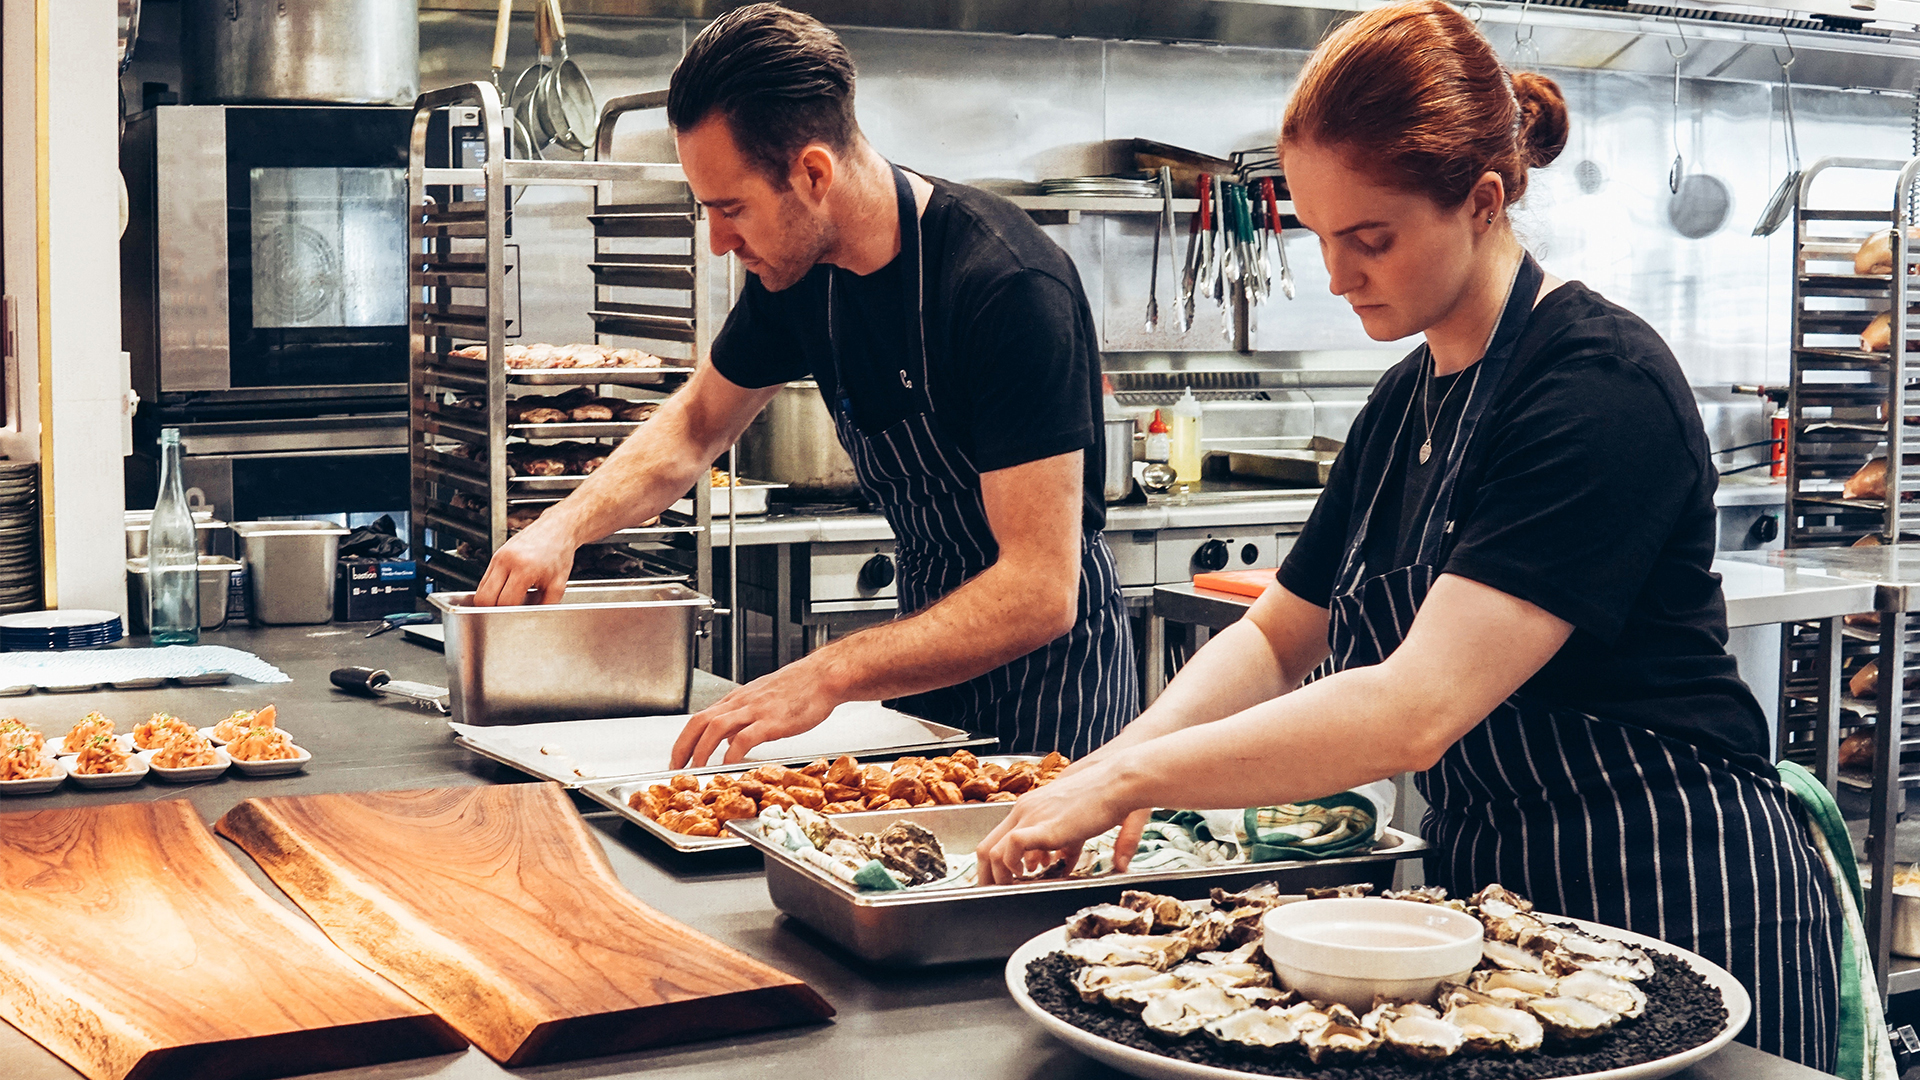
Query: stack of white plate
x=19 y=536
x=1105 y=187
x=71 y=628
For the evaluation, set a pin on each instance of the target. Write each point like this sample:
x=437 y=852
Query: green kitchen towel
x=1863 y=1051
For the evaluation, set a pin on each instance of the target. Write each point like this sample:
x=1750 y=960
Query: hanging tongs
x=1279 y=238
x=1190 y=274
x=1785 y=195
x=1679 y=168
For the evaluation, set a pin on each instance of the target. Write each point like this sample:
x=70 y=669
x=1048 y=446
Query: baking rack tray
x=630 y=376
x=613 y=794
x=917 y=928
x=576 y=752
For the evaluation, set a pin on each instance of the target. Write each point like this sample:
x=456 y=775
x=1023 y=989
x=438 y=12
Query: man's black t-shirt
x=1587 y=492
x=1013 y=360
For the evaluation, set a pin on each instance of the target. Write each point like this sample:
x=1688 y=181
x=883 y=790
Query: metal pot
x=793 y=442
x=1119 y=436
x=363 y=52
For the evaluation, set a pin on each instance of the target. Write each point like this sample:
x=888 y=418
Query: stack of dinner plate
x=1105 y=187
x=19 y=536
x=72 y=628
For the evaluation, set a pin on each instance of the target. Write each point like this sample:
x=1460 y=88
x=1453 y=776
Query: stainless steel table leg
x=816 y=635
x=1156 y=679
x=783 y=628
x=1884 y=812
x=1826 y=732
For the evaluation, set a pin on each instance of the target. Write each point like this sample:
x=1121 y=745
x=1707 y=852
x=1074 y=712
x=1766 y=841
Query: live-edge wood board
x=497 y=907
x=135 y=948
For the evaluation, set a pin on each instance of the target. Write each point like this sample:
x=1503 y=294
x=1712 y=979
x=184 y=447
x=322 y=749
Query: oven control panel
x=851 y=572
x=1181 y=553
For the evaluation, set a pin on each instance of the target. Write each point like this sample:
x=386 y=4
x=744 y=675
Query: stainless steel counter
x=1761 y=588
x=1284 y=508
x=953 y=1021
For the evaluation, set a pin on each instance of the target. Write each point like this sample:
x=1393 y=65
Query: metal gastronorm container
x=916 y=928
x=603 y=651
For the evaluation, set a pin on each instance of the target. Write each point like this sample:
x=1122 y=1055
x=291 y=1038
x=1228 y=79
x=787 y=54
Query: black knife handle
x=359 y=680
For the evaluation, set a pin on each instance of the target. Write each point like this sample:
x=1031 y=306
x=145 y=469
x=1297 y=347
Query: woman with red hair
x=1508 y=570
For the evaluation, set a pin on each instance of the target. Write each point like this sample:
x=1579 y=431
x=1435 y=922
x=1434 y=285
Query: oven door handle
x=266 y=455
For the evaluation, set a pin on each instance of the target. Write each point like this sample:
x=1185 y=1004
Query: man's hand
x=775 y=706
x=536 y=559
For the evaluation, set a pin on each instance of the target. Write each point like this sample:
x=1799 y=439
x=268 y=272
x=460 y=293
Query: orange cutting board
x=132 y=945
x=497 y=908
x=1243 y=582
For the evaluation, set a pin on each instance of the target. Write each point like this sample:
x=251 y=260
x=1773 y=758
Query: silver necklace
x=1432 y=419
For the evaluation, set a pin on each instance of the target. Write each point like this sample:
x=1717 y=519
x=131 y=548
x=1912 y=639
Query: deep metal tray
x=626 y=747
x=917 y=928
x=613 y=794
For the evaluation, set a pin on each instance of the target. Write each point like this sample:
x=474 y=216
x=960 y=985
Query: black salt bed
x=1683 y=1011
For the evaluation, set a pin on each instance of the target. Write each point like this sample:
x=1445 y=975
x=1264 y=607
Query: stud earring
x=1489 y=219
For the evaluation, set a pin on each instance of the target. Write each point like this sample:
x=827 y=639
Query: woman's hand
x=1051 y=823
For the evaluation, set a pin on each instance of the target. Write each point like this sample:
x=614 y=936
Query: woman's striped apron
x=1600 y=820
x=1072 y=694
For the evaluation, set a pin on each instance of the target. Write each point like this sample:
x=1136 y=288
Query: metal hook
x=1517 y=39
x=1524 y=46
x=1685 y=46
x=1791 y=54
x=1474 y=13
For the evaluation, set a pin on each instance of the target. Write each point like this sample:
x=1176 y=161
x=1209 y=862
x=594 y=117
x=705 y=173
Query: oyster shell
x=1340 y=1036
x=1243 y=955
x=1159 y=952
x=1422 y=894
x=1572 y=1019
x=1263 y=895
x=1260 y=1028
x=1505 y=954
x=1451 y=994
x=1421 y=1036
x=1498 y=900
x=1232 y=976
x=1608 y=992
x=1497 y=1028
x=1096 y=982
x=1102 y=919
x=1633 y=966
x=1207 y=931
x=1513 y=985
x=1182 y=1012
x=1340 y=892
x=1168 y=913
x=1243 y=924
x=911 y=850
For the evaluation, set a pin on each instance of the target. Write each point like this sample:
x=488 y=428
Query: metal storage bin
x=216 y=574
x=138 y=522
x=918 y=928
x=603 y=651
x=290 y=570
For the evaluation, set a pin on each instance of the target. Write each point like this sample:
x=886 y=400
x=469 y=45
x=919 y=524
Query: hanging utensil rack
x=459 y=272
x=1846 y=405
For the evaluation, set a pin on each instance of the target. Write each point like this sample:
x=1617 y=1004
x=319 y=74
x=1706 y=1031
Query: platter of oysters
x=1164 y=988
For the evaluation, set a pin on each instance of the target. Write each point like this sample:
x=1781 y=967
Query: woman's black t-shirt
x=1588 y=492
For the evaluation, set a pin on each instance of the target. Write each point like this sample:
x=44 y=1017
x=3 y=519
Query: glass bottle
x=173 y=555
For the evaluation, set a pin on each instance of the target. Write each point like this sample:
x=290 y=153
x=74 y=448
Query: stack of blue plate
x=74 y=628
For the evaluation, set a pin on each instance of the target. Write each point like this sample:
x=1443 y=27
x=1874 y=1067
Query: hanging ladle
x=1679 y=168
x=1782 y=202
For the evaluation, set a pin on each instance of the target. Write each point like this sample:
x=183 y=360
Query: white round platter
x=278 y=767
x=1151 y=1066
x=191 y=774
x=37 y=786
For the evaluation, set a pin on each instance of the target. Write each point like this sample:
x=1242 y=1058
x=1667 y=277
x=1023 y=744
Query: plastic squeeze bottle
x=1184 y=438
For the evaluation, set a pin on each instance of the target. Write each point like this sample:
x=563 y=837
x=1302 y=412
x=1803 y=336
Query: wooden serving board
x=132 y=945
x=497 y=908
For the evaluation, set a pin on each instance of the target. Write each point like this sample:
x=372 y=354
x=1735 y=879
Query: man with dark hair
x=955 y=349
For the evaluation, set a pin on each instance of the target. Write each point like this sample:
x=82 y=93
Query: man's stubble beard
x=806 y=242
